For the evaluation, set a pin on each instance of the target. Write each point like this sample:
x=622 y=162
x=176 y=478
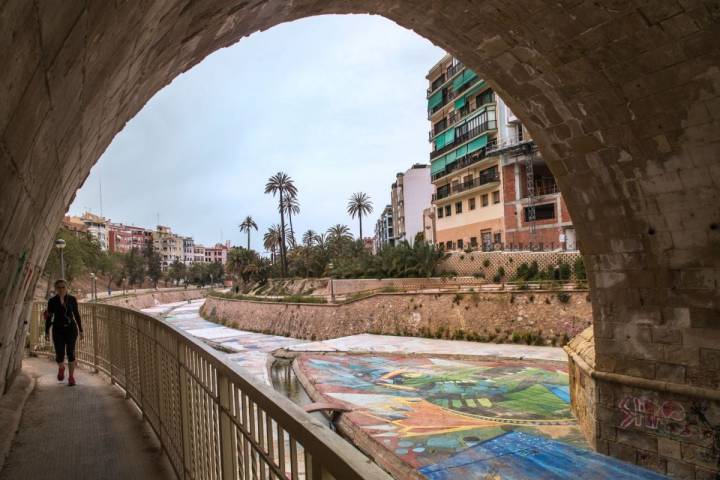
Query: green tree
x=359 y=205
x=246 y=226
x=309 y=237
x=281 y=184
x=153 y=264
x=176 y=271
x=134 y=267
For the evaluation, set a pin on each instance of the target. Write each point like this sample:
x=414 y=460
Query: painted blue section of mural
x=520 y=456
x=563 y=393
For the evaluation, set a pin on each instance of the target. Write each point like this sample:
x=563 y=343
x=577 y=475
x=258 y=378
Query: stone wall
x=474 y=263
x=149 y=299
x=493 y=317
x=344 y=286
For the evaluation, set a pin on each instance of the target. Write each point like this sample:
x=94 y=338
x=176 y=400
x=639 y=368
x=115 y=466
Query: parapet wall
x=540 y=317
x=148 y=299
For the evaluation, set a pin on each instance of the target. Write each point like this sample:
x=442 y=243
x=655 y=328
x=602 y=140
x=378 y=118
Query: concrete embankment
x=538 y=317
x=148 y=299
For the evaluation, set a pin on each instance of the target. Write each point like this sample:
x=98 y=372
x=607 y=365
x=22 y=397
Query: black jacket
x=62 y=316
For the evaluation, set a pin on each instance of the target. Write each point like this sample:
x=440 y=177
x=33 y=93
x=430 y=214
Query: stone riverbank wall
x=539 y=317
x=149 y=299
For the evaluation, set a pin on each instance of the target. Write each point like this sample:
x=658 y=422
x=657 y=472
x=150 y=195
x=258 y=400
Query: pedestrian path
x=86 y=432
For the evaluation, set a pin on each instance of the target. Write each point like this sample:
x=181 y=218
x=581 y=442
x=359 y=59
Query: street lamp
x=60 y=245
x=332 y=287
x=93 y=292
x=211 y=281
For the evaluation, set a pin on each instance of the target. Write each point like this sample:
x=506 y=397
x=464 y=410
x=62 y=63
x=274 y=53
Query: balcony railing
x=462 y=138
x=447 y=76
x=213 y=419
x=456 y=116
x=480 y=180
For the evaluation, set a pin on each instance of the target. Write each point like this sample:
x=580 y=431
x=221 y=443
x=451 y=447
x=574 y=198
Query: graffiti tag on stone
x=665 y=417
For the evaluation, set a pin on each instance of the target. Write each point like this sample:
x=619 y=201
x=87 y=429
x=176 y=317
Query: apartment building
x=75 y=225
x=384 y=232
x=96 y=227
x=409 y=196
x=217 y=254
x=188 y=250
x=480 y=158
x=169 y=245
x=123 y=238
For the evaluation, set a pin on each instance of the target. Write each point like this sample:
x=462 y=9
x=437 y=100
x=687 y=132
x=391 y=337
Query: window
x=460 y=243
x=440 y=126
x=485 y=97
x=485 y=200
x=448 y=245
x=498 y=238
x=440 y=212
x=496 y=196
x=519 y=131
x=471 y=203
x=542 y=212
x=473 y=242
x=458 y=207
x=448 y=210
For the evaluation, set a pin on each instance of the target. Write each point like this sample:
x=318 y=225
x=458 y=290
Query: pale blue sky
x=337 y=102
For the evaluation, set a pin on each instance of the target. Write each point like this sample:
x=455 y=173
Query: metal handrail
x=213 y=419
x=464 y=137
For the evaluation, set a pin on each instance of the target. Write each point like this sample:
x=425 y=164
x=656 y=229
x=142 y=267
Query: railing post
x=227 y=439
x=126 y=354
x=184 y=409
x=95 y=337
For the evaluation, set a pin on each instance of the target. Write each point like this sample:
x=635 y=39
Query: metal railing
x=464 y=137
x=213 y=420
x=480 y=180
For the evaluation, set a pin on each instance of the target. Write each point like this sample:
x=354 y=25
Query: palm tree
x=281 y=184
x=271 y=240
x=359 y=205
x=338 y=231
x=320 y=240
x=247 y=225
x=309 y=237
x=292 y=207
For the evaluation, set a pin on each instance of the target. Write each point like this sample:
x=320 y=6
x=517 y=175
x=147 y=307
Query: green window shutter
x=464 y=78
x=437 y=166
x=435 y=99
x=445 y=138
x=460 y=102
x=477 y=144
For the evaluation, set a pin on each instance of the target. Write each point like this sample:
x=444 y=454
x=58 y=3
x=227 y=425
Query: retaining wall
x=145 y=300
x=487 y=316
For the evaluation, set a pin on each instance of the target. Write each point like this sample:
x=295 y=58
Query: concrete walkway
x=85 y=432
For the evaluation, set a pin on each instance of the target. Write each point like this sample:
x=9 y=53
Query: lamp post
x=93 y=292
x=332 y=287
x=211 y=281
x=60 y=245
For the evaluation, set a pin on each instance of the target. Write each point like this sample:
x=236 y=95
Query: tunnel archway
x=622 y=98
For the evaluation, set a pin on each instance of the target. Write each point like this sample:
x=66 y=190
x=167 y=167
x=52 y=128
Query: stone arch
x=622 y=97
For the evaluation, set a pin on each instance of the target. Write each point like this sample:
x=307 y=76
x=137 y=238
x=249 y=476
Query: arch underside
x=622 y=98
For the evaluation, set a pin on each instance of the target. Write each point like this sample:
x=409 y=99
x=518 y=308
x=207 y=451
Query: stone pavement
x=367 y=343
x=85 y=432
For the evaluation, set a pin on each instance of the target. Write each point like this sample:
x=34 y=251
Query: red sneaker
x=61 y=373
x=71 y=381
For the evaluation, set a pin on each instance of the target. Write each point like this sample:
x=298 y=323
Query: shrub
x=457 y=298
x=516 y=338
x=563 y=297
x=531 y=298
x=479 y=275
x=501 y=271
x=462 y=257
x=579 y=268
x=564 y=271
x=486 y=263
x=497 y=278
x=449 y=274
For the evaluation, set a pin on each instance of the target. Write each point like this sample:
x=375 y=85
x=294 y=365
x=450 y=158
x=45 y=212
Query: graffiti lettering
x=667 y=417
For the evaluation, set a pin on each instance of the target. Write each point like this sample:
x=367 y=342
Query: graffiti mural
x=666 y=417
x=449 y=419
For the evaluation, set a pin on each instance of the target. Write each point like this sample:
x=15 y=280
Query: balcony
x=480 y=180
x=456 y=116
x=447 y=76
x=543 y=187
x=462 y=138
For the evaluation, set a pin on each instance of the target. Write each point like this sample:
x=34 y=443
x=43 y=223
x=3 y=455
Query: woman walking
x=64 y=317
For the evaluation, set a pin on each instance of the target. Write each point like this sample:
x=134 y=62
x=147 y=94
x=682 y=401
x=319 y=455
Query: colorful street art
x=449 y=419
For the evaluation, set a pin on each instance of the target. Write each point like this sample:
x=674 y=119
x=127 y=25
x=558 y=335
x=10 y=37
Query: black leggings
x=64 y=339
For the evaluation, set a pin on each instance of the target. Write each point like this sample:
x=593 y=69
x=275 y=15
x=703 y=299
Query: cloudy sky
x=337 y=102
